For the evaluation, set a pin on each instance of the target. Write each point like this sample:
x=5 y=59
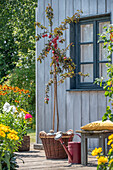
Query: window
x=88 y=55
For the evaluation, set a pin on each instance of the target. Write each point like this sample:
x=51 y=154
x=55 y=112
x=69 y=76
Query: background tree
x=17 y=44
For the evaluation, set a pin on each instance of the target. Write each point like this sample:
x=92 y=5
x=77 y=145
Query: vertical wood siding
x=75 y=108
x=48 y=110
x=62 y=88
x=40 y=74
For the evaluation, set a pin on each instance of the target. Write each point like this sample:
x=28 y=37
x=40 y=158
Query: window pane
x=103 y=70
x=87 y=68
x=87 y=33
x=87 y=53
x=101 y=25
x=103 y=53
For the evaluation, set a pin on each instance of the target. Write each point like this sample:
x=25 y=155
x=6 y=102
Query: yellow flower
x=12 y=136
x=110 y=141
x=110 y=137
x=110 y=161
x=102 y=159
x=4 y=128
x=2 y=134
x=96 y=151
x=111 y=150
x=99 y=150
x=16 y=137
x=13 y=131
x=112 y=145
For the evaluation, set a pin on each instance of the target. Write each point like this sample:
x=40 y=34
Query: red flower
x=45 y=35
x=48 y=49
x=111 y=37
x=50 y=43
x=28 y=116
x=57 y=37
x=55 y=45
x=50 y=36
x=46 y=99
x=54 y=40
x=65 y=58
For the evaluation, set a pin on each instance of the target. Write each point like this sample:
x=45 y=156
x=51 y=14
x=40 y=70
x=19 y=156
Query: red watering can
x=74 y=148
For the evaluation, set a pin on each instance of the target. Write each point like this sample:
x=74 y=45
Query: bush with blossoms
x=15 y=96
x=14 y=123
x=107 y=38
x=16 y=118
x=105 y=162
x=18 y=97
x=9 y=139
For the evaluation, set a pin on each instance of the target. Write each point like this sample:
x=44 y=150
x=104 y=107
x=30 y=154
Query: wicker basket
x=25 y=144
x=54 y=149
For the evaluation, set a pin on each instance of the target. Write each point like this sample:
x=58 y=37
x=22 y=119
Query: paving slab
x=35 y=159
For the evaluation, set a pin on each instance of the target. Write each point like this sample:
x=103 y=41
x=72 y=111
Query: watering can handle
x=71 y=134
x=77 y=135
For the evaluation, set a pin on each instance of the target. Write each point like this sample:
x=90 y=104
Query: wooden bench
x=101 y=135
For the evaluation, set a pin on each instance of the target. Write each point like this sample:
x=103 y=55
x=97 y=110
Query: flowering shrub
x=14 y=95
x=17 y=118
x=8 y=145
x=104 y=163
x=107 y=38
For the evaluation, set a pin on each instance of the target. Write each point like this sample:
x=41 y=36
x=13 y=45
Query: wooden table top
x=95 y=132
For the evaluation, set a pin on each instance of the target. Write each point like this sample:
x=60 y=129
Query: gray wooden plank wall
x=75 y=108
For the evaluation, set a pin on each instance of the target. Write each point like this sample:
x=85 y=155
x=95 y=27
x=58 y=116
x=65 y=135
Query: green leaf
x=106 y=93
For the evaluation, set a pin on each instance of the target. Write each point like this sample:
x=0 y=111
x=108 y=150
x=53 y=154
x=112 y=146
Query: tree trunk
x=55 y=100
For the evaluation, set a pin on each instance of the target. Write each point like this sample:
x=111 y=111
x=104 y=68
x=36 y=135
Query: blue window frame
x=88 y=55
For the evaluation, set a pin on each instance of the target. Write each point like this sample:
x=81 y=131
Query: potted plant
x=61 y=66
x=25 y=119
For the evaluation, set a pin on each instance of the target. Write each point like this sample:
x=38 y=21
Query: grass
x=32 y=135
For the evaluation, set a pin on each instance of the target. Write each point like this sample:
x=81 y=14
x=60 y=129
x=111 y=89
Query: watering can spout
x=59 y=137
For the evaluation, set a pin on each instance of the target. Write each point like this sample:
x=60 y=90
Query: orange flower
x=16 y=101
x=28 y=95
x=111 y=37
x=15 y=91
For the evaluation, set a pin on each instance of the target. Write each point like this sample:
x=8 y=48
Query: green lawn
x=32 y=135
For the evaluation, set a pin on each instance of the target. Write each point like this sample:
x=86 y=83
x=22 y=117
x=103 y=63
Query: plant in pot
x=24 y=119
x=61 y=66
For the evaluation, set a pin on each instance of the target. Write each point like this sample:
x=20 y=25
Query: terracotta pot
x=25 y=146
